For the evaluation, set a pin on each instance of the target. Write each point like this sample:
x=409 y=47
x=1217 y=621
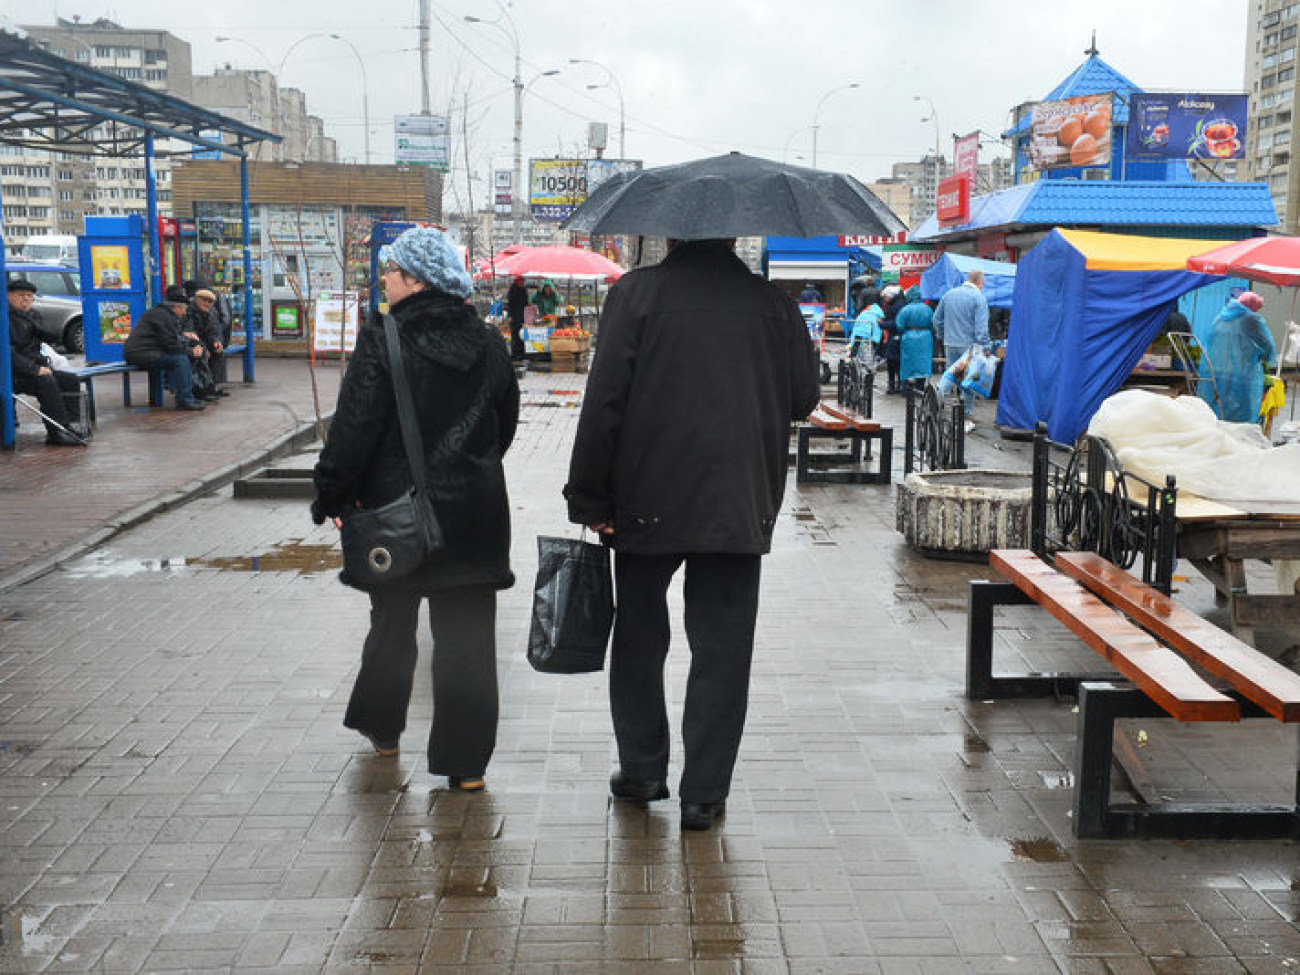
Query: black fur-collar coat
x=467 y=403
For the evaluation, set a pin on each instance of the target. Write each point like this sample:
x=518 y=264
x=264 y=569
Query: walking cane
x=53 y=422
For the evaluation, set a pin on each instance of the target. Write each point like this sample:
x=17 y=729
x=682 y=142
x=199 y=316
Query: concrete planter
x=962 y=514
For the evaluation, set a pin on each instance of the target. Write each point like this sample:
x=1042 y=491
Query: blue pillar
x=248 y=271
x=155 y=244
x=7 y=432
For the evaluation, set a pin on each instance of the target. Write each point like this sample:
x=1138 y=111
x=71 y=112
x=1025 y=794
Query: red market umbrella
x=484 y=265
x=560 y=262
x=1273 y=260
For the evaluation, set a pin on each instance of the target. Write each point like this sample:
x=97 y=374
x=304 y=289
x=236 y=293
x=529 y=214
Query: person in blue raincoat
x=866 y=334
x=1238 y=346
x=917 y=342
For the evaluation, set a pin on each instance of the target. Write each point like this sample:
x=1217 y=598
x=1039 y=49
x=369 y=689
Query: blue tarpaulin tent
x=951 y=270
x=1087 y=305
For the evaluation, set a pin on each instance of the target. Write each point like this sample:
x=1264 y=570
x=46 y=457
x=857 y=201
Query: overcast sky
x=698 y=77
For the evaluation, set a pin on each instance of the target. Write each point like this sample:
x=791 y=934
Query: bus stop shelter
x=50 y=103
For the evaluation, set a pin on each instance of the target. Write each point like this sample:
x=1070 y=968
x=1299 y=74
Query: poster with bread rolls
x=1072 y=133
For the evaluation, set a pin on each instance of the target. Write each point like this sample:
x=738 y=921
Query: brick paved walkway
x=178 y=793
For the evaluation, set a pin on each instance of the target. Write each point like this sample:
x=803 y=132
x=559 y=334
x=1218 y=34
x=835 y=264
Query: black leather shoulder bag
x=384 y=544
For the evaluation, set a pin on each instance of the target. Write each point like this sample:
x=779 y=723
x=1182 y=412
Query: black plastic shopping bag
x=573 y=607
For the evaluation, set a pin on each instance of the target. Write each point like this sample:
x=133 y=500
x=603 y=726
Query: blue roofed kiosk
x=1152 y=198
x=1100 y=254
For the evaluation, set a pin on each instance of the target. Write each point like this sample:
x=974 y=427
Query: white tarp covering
x=1156 y=435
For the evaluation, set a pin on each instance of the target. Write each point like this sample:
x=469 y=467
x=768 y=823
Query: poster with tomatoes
x=1072 y=133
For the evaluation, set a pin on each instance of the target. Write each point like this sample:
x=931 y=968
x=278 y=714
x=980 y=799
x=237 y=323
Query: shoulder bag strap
x=405 y=408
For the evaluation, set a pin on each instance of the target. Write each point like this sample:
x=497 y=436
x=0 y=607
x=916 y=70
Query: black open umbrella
x=733 y=196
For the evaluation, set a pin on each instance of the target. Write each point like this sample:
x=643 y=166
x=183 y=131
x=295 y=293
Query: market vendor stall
x=1086 y=307
x=951 y=269
x=1238 y=497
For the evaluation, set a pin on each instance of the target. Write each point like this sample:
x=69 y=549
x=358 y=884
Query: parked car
x=58 y=300
x=52 y=249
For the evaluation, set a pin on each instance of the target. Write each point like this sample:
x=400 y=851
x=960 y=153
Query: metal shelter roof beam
x=116 y=116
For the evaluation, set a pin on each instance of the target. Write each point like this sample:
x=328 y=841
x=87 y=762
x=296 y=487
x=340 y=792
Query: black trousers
x=463 y=620
x=49 y=390
x=721 y=609
x=517 y=348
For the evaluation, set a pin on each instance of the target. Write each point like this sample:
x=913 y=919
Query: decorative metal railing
x=1088 y=502
x=935 y=438
x=854 y=389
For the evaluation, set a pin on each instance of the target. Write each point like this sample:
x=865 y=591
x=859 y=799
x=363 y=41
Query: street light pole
x=512 y=34
x=934 y=117
x=817 y=112
x=365 y=91
x=618 y=89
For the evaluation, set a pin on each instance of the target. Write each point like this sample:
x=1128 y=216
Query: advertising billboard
x=1072 y=133
x=953 y=199
x=898 y=260
x=556 y=187
x=421 y=141
x=1186 y=126
x=966 y=156
x=503 y=182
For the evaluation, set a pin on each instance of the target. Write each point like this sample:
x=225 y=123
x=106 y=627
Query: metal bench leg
x=89 y=385
x=1100 y=704
x=984 y=597
x=1098 y=708
x=801 y=471
x=886 y=454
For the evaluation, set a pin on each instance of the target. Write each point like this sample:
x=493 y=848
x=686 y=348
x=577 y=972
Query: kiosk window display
x=221 y=258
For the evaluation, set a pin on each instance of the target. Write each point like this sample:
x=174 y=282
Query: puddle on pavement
x=717 y=948
x=294 y=555
x=472 y=886
x=975 y=745
x=1040 y=849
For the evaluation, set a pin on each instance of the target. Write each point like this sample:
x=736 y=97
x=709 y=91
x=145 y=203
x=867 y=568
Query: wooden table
x=1217 y=538
x=1170 y=381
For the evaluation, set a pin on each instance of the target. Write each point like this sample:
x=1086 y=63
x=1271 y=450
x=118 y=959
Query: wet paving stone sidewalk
x=178 y=794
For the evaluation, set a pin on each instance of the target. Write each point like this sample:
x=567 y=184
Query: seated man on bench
x=156 y=342
x=32 y=373
x=203 y=324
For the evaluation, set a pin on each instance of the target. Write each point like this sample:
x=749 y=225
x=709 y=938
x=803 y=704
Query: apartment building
x=46 y=193
x=1271 y=41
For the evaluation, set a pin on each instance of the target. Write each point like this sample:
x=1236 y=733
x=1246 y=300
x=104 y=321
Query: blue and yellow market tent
x=1086 y=306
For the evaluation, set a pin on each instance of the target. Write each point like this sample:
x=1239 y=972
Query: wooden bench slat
x=1261 y=679
x=857 y=421
x=820 y=418
x=1163 y=675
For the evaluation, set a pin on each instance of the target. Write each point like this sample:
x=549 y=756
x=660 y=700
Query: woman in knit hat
x=467 y=405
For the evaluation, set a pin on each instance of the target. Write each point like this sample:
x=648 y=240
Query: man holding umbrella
x=680 y=460
x=681 y=450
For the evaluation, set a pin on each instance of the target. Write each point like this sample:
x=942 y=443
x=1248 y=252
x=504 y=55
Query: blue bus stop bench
x=87 y=375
